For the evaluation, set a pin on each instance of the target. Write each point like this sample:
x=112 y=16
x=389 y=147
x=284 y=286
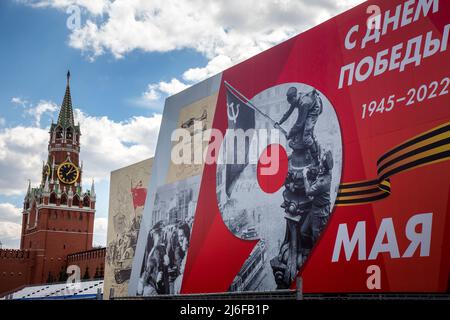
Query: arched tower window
x=64 y=199
x=53 y=198
x=69 y=134
x=59 y=133
x=76 y=201
x=86 y=201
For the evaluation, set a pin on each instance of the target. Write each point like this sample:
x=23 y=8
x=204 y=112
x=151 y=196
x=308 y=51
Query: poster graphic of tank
x=128 y=190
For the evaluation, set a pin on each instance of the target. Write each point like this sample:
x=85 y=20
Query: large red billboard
x=359 y=199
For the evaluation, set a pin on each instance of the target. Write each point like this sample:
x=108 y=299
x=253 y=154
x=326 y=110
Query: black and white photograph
x=168 y=240
x=287 y=223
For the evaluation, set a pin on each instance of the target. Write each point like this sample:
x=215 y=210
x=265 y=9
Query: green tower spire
x=65 y=118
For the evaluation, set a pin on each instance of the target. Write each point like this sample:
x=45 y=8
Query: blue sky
x=125 y=58
x=34 y=67
x=38 y=55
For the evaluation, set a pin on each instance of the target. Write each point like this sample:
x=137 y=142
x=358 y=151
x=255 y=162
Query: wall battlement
x=16 y=254
x=87 y=255
x=15 y=266
x=90 y=262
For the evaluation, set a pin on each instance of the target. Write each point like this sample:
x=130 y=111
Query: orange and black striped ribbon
x=427 y=148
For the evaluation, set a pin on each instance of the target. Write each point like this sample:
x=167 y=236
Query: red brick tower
x=58 y=216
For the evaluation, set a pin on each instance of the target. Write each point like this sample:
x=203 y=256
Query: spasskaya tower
x=58 y=215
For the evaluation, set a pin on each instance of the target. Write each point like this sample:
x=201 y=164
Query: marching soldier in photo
x=317 y=183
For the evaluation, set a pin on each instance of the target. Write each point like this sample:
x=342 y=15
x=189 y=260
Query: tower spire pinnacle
x=29 y=187
x=93 y=188
x=65 y=118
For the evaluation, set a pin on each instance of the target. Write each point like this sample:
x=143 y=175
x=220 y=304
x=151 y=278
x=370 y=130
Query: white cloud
x=105 y=146
x=22 y=150
x=345 y=4
x=37 y=111
x=41 y=108
x=20 y=101
x=233 y=28
x=155 y=91
x=214 y=66
x=100 y=231
x=10 y=234
x=2 y=122
x=10 y=213
x=152 y=93
x=10 y=225
x=168 y=88
x=226 y=32
x=95 y=7
x=172 y=87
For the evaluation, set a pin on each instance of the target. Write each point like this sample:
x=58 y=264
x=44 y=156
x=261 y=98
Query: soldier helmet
x=158 y=226
x=292 y=92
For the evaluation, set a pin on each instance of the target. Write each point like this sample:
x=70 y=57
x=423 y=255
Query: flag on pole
x=240 y=116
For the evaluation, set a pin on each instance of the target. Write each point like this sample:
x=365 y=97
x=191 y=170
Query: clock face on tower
x=67 y=172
